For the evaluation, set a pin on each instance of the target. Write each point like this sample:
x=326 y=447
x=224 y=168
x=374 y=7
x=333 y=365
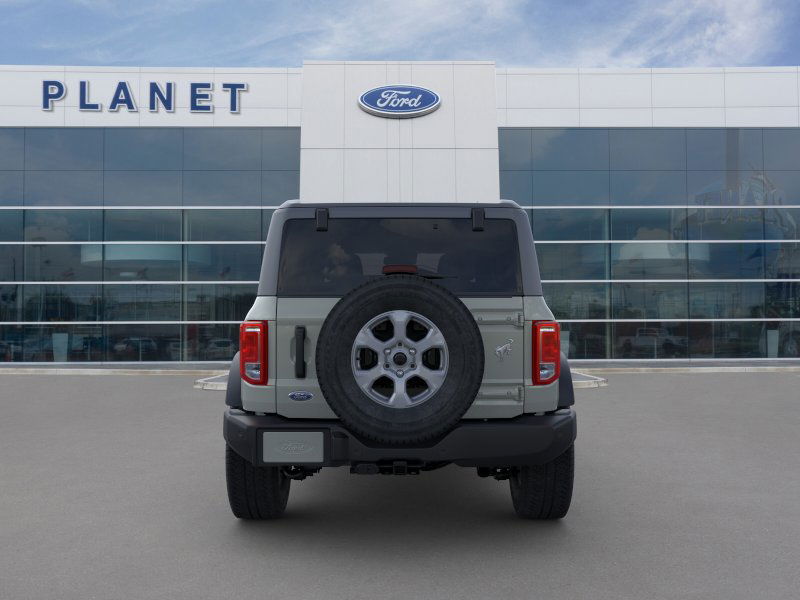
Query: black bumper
x=524 y=440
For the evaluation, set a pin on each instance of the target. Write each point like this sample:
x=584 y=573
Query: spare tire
x=399 y=360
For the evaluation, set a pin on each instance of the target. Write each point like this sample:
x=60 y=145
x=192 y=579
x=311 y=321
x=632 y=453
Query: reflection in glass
x=726 y=261
x=573 y=261
x=783 y=340
x=62 y=343
x=142 y=302
x=142 y=188
x=726 y=224
x=648 y=187
x=142 y=225
x=63 y=188
x=63 y=262
x=648 y=224
x=279 y=186
x=514 y=149
x=211 y=342
x=648 y=261
x=584 y=340
x=153 y=262
x=215 y=188
x=10 y=304
x=517 y=186
x=733 y=188
x=63 y=148
x=219 y=302
x=143 y=148
x=222 y=148
x=562 y=188
x=236 y=262
x=720 y=339
x=11 y=263
x=12 y=148
x=63 y=225
x=280 y=148
x=648 y=149
x=783 y=299
x=222 y=225
x=577 y=300
x=782 y=260
x=143 y=342
x=570 y=149
x=726 y=300
x=10 y=226
x=650 y=339
x=11 y=188
x=62 y=303
x=570 y=225
x=637 y=300
x=782 y=148
x=724 y=149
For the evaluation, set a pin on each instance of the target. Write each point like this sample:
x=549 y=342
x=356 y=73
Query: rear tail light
x=253 y=352
x=546 y=352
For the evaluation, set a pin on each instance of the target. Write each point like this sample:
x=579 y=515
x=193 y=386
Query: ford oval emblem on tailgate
x=301 y=396
x=399 y=101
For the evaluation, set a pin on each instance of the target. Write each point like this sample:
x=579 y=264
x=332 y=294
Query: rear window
x=353 y=251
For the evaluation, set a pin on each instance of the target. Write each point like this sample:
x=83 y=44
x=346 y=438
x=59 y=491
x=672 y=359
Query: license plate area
x=292 y=447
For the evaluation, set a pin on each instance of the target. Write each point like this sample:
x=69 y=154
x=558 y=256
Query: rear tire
x=544 y=491
x=255 y=492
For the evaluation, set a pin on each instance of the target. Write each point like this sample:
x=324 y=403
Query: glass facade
x=664 y=243
x=144 y=244
x=135 y=244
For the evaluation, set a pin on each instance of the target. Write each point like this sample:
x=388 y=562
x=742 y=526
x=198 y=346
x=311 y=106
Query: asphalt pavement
x=687 y=486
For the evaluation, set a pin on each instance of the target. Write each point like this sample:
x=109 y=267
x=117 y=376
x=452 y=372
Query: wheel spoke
x=434 y=378
x=400 y=397
x=367 y=378
x=367 y=339
x=433 y=339
x=399 y=319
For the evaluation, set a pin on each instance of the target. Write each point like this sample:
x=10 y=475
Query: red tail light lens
x=546 y=352
x=253 y=352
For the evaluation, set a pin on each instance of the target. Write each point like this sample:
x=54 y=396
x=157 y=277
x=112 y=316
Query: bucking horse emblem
x=504 y=350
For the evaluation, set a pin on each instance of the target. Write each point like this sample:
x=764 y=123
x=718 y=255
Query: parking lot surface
x=687 y=486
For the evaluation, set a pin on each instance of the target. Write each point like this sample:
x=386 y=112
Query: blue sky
x=585 y=33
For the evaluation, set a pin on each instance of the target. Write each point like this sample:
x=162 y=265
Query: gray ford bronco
x=399 y=338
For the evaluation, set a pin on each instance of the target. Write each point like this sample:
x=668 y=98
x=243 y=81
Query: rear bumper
x=524 y=440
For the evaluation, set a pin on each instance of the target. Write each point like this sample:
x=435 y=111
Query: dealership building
x=134 y=202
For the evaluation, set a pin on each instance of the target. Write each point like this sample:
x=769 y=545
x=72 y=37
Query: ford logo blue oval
x=301 y=396
x=399 y=101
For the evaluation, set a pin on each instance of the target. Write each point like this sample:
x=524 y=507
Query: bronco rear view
x=394 y=339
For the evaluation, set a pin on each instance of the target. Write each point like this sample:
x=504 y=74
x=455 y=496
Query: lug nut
x=399 y=373
x=412 y=351
x=387 y=351
x=386 y=365
x=413 y=366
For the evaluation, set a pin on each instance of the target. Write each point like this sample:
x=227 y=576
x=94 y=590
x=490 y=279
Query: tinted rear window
x=353 y=251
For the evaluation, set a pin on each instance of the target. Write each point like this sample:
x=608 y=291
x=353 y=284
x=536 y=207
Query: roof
x=308 y=203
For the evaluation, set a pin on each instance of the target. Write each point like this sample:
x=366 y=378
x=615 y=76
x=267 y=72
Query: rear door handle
x=300 y=352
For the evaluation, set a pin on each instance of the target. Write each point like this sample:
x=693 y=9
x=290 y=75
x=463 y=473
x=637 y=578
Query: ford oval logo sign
x=399 y=101
x=301 y=396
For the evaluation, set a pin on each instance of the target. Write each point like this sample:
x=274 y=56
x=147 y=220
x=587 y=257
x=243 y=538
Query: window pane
x=154 y=262
x=62 y=303
x=221 y=188
x=648 y=224
x=211 y=342
x=64 y=188
x=279 y=186
x=222 y=148
x=783 y=261
x=783 y=299
x=787 y=339
x=726 y=261
x=732 y=188
x=219 y=302
x=726 y=224
x=143 y=148
x=724 y=149
x=10 y=226
x=63 y=149
x=237 y=262
x=222 y=225
x=648 y=187
x=783 y=187
x=11 y=188
x=280 y=147
x=142 y=225
x=570 y=149
x=573 y=261
x=571 y=187
x=514 y=147
x=67 y=262
x=782 y=148
x=142 y=302
x=649 y=300
x=12 y=148
x=62 y=343
x=570 y=224
x=143 y=342
x=577 y=300
x=584 y=340
x=143 y=188
x=517 y=186
x=63 y=225
x=726 y=300
x=650 y=339
x=648 y=261
x=727 y=340
x=10 y=307
x=11 y=263
x=648 y=149
x=11 y=338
